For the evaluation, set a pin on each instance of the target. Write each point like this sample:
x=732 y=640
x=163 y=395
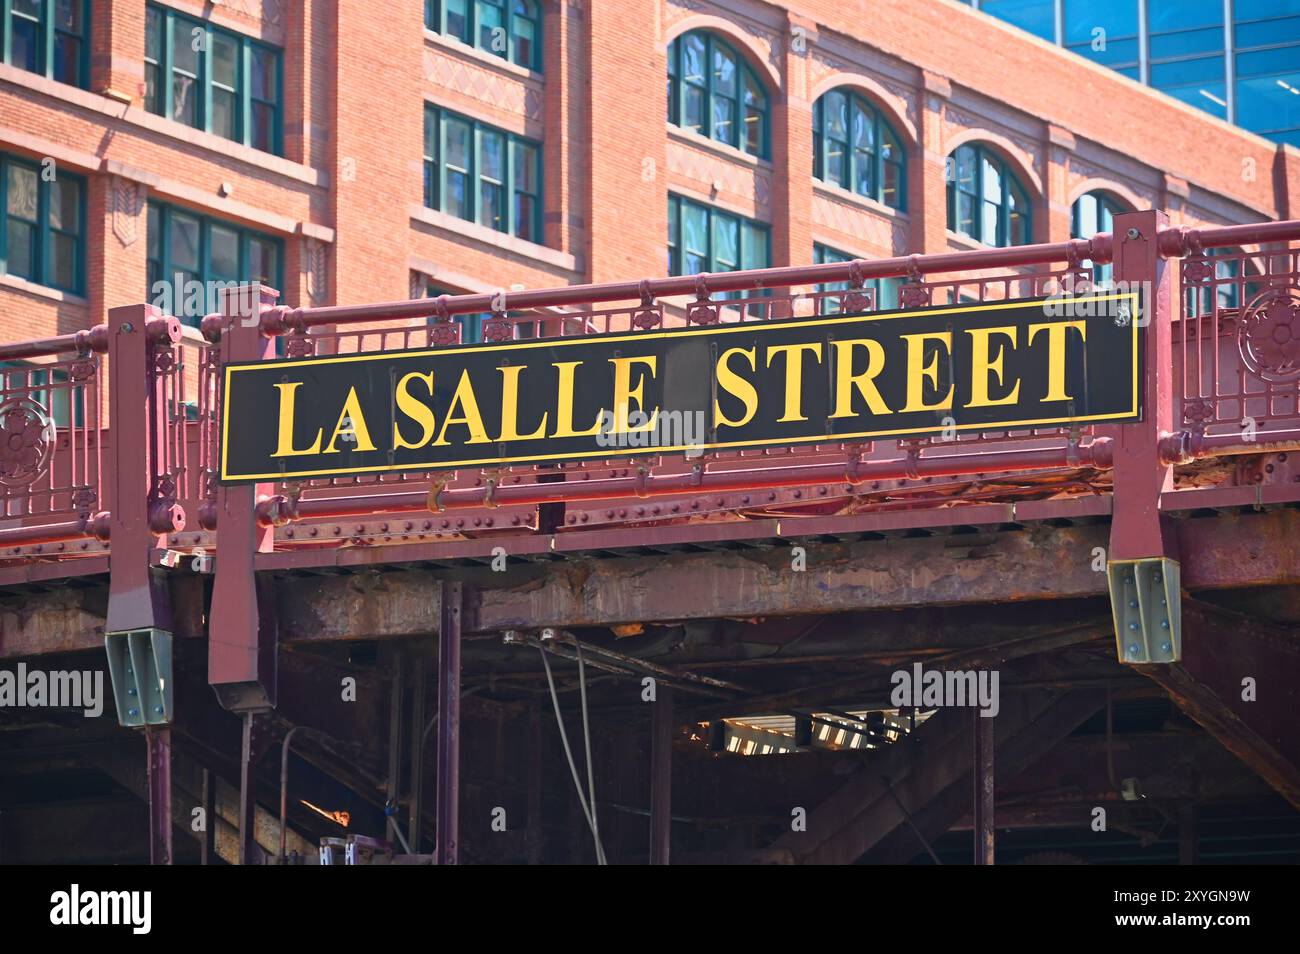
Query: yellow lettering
x=564 y=403
x=1056 y=334
x=846 y=382
x=982 y=366
x=351 y=421
x=794 y=376
x=285 y=448
x=737 y=387
x=415 y=409
x=464 y=398
x=510 y=406
x=918 y=372
x=625 y=394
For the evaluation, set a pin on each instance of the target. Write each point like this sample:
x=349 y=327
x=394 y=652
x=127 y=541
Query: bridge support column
x=1142 y=561
x=448 y=798
x=242 y=627
x=661 y=775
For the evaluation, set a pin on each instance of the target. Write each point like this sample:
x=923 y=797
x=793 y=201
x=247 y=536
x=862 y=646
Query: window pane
x=25 y=45
x=184 y=55
x=724 y=72
x=63 y=264
x=695 y=232
x=22 y=192
x=726 y=243
x=67 y=15
x=1036 y=16
x=693 y=118
x=523 y=37
x=1269 y=32
x=223 y=253
x=225 y=59
x=184 y=250
x=864 y=179
x=1271 y=102
x=693 y=59
x=263 y=259
x=988 y=233
x=965 y=223
x=864 y=128
x=458 y=143
x=223 y=112
x=1183 y=14
x=1117 y=18
x=724 y=125
x=992 y=184
x=1187 y=43
x=263 y=74
x=526 y=218
x=22 y=244
x=965 y=169
x=525 y=168
x=458 y=18
x=65 y=205
x=491 y=28
x=184 y=100
x=67 y=59
x=493 y=156
x=263 y=131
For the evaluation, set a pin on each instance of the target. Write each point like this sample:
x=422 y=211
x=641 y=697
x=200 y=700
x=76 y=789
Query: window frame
x=244 y=125
x=47 y=32
x=436 y=167
x=167 y=272
x=880 y=125
x=676 y=205
x=1007 y=174
x=43 y=273
x=435 y=20
x=745 y=74
x=1112 y=206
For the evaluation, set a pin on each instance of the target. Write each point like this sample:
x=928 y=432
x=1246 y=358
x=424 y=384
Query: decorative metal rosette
x=26 y=442
x=1268 y=335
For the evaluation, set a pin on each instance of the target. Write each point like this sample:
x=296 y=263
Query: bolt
x=1133 y=604
x=1165 y=647
x=1133 y=626
x=1134 y=234
x=1133 y=650
x=1164 y=624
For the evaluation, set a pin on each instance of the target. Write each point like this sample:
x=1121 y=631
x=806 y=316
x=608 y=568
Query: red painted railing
x=75 y=454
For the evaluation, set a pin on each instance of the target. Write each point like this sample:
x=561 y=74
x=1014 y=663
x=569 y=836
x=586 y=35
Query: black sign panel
x=989 y=366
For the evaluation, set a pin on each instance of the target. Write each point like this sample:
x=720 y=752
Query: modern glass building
x=1236 y=59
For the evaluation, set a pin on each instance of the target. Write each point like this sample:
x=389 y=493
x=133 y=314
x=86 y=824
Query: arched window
x=856 y=149
x=985 y=200
x=1091 y=213
x=510 y=29
x=713 y=91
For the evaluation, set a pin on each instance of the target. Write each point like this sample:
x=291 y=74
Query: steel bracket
x=140 y=668
x=1145 y=600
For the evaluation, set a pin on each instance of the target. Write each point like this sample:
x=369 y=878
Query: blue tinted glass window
x=1269 y=102
x=1268 y=32
x=1211 y=97
x=1164 y=15
x=1183 y=72
x=1036 y=16
x=1116 y=18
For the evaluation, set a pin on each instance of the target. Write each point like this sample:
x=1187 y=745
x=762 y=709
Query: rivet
x=1133 y=650
x=1165 y=647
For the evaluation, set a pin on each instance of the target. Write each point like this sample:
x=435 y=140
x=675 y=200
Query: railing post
x=1142 y=562
x=142 y=510
x=242 y=626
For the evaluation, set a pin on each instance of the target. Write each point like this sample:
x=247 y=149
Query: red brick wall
x=356 y=82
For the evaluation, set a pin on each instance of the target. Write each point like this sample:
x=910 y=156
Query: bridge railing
x=78 y=443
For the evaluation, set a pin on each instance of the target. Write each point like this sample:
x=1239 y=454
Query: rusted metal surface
x=1240 y=679
x=662 y=730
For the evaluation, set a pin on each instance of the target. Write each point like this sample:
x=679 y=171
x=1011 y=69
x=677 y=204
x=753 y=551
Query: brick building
x=465 y=145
